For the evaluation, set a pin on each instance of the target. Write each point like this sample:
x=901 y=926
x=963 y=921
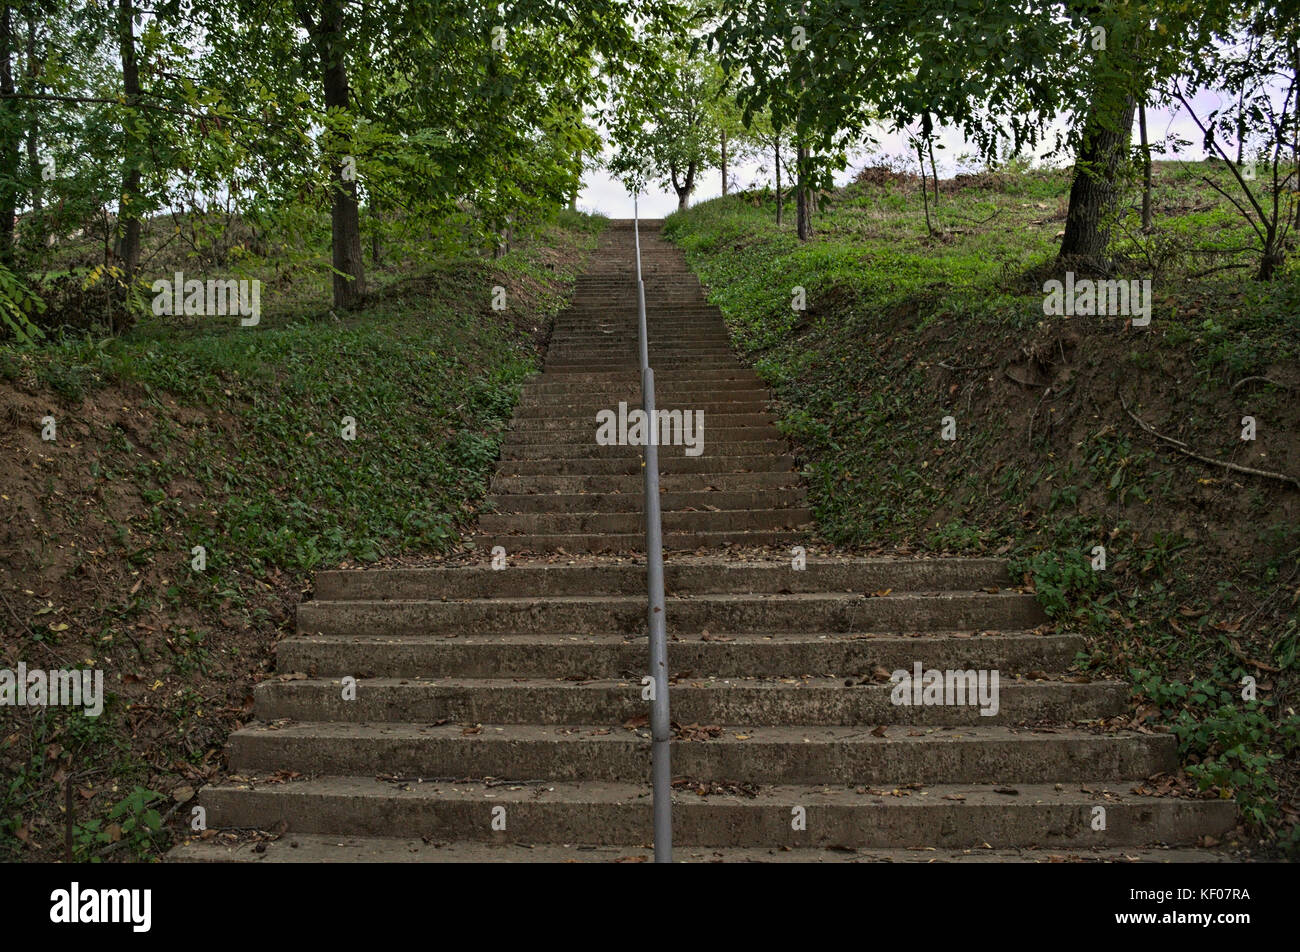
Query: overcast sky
x=603 y=194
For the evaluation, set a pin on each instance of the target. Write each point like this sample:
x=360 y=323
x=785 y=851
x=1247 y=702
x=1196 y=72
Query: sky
x=601 y=193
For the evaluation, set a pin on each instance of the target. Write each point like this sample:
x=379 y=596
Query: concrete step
x=716 y=613
x=860 y=575
x=581 y=367
x=612 y=339
x=583 y=330
x=314 y=848
x=774 y=499
x=592 y=521
x=631 y=465
x=785 y=654
x=821 y=701
x=564 y=412
x=727 y=385
x=945 y=816
x=534 y=426
x=692 y=355
x=703 y=448
x=587 y=319
x=668 y=482
x=628 y=544
x=664 y=377
x=696 y=397
x=583 y=433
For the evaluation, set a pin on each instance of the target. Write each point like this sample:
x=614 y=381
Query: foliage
x=903 y=328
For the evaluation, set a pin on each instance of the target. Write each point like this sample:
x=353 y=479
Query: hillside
x=205 y=433
x=1065 y=430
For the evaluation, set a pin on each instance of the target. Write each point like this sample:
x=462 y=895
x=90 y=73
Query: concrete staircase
x=556 y=489
x=512 y=698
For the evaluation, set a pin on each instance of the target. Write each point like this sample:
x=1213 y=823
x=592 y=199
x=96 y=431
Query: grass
x=180 y=435
x=905 y=328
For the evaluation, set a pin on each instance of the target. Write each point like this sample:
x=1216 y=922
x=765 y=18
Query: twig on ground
x=1269 y=380
x=54 y=654
x=1034 y=416
x=1188 y=451
x=947 y=366
x=1222 y=267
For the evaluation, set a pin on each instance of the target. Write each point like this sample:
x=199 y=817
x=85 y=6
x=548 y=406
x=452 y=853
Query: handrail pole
x=660 y=724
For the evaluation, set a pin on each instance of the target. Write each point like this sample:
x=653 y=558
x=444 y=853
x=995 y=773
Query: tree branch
x=1187 y=451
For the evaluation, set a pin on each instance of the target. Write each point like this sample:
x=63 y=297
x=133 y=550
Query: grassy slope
x=230 y=438
x=902 y=330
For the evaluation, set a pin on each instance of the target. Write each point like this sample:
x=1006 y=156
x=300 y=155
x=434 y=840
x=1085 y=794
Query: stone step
x=783 y=654
x=718 y=384
x=583 y=433
x=701 y=448
x=806 y=701
x=721 y=613
x=629 y=544
x=611 y=337
x=585 y=320
x=575 y=367
x=635 y=502
x=695 y=397
x=531 y=428
x=564 y=413
x=628 y=356
x=682 y=578
x=945 y=816
x=592 y=521
x=631 y=465
x=317 y=848
x=561 y=368
x=581 y=388
x=668 y=482
x=685 y=328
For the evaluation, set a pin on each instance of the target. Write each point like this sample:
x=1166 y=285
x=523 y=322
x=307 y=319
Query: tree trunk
x=1146 y=168
x=803 y=214
x=374 y=231
x=1274 y=253
x=127 y=250
x=1102 y=151
x=36 y=170
x=345 y=219
x=685 y=188
x=9 y=145
x=934 y=175
x=776 y=154
x=925 y=191
x=724 y=163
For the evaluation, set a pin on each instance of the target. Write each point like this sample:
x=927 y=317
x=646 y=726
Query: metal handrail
x=660 y=726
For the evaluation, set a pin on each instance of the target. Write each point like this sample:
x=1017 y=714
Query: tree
x=1256 y=61
x=456 y=113
x=10 y=132
x=666 y=125
x=129 y=205
x=829 y=69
